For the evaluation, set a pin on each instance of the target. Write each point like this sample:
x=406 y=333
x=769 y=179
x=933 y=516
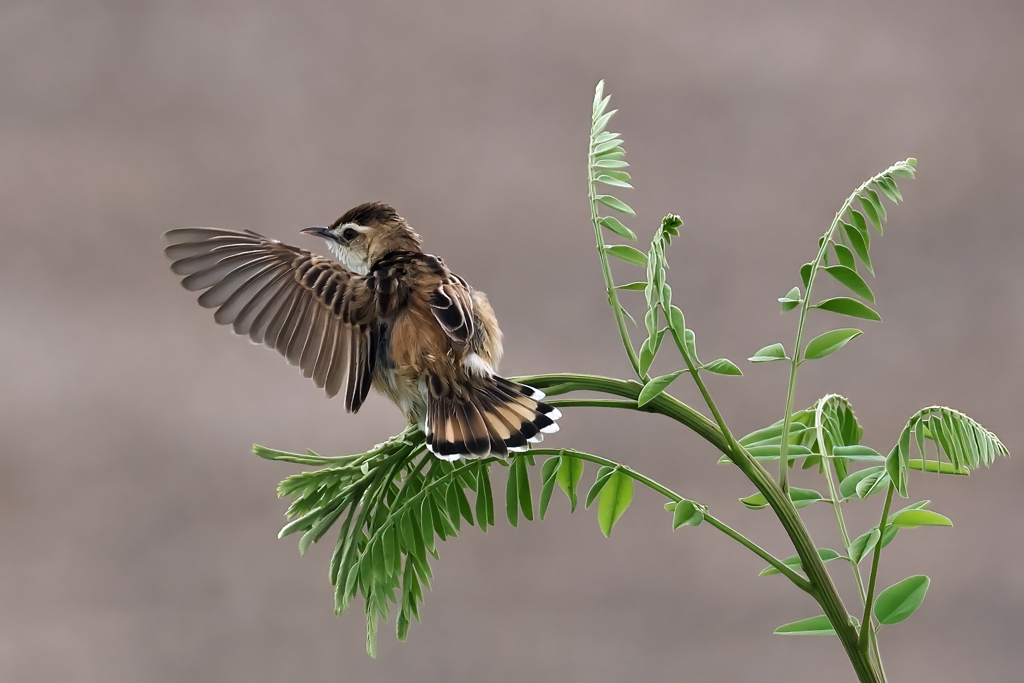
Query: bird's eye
x=349 y=234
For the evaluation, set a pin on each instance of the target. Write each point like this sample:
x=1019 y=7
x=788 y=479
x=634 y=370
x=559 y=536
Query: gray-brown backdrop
x=137 y=532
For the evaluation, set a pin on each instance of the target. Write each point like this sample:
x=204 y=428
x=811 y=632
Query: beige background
x=137 y=532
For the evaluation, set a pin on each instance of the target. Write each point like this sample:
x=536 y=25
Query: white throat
x=351 y=261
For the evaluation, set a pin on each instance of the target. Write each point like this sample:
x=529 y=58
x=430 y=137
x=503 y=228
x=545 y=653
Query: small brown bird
x=388 y=316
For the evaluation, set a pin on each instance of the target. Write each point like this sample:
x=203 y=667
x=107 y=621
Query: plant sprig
x=396 y=502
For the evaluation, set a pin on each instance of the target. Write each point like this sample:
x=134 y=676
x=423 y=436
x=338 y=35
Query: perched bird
x=387 y=316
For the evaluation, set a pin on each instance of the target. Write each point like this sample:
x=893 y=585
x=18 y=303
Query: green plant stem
x=834 y=492
x=866 y=626
x=804 y=308
x=798 y=580
x=609 y=284
x=837 y=504
x=822 y=588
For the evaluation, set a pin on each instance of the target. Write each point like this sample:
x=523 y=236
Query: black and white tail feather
x=495 y=418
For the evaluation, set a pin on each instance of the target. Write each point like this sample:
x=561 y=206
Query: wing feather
x=281 y=296
x=452 y=305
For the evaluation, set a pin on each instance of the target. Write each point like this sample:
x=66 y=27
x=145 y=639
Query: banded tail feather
x=492 y=418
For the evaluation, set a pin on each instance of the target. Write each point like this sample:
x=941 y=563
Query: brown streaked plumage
x=387 y=316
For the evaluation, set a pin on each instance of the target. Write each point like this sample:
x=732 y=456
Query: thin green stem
x=609 y=284
x=593 y=403
x=804 y=308
x=833 y=490
x=866 y=626
x=798 y=580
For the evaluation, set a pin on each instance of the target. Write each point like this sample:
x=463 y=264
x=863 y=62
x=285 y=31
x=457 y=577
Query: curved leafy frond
x=605 y=165
x=964 y=443
x=394 y=501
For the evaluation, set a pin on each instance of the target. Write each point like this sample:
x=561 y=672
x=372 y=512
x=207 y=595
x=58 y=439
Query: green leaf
x=601 y=122
x=791 y=300
x=847 y=306
x=671 y=223
x=451 y=500
x=803 y=497
x=649 y=350
x=655 y=387
x=604 y=147
x=888 y=535
x=800 y=497
x=870 y=212
x=873 y=483
x=677 y=322
x=600 y=104
x=723 y=366
x=603 y=475
x=900 y=600
x=464 y=508
x=523 y=486
x=829 y=343
x=857 y=219
x=617 y=175
x=628 y=254
x=857 y=452
x=896 y=469
x=879 y=207
x=805 y=273
x=548 y=474
x=391 y=557
x=845 y=256
x=427 y=522
x=608 y=180
x=772 y=433
x=690 y=341
x=615 y=497
x=909 y=519
x=815 y=626
x=686 y=513
x=617 y=227
x=633 y=287
x=616 y=204
x=512 y=495
x=850 y=279
x=826 y=555
x=772 y=451
x=888 y=187
x=570 y=471
x=769 y=353
x=936 y=466
x=484 y=499
x=610 y=163
x=860 y=243
x=848 y=487
x=864 y=544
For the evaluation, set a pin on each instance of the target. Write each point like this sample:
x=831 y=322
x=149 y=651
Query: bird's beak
x=318 y=232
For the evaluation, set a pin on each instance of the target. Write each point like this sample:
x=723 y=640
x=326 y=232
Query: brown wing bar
x=278 y=295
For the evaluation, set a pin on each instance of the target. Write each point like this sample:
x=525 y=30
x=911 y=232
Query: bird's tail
x=491 y=418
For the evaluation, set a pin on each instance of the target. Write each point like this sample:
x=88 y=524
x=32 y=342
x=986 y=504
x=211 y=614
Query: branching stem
x=822 y=588
x=800 y=581
x=805 y=305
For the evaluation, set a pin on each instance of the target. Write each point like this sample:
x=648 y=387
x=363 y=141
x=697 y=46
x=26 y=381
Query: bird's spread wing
x=452 y=304
x=284 y=297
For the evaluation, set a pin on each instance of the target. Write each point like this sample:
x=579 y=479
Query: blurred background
x=138 y=532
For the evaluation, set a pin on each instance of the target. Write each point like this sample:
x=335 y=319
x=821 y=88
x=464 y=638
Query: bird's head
x=365 y=234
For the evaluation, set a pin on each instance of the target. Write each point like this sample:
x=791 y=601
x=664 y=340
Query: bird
x=384 y=314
